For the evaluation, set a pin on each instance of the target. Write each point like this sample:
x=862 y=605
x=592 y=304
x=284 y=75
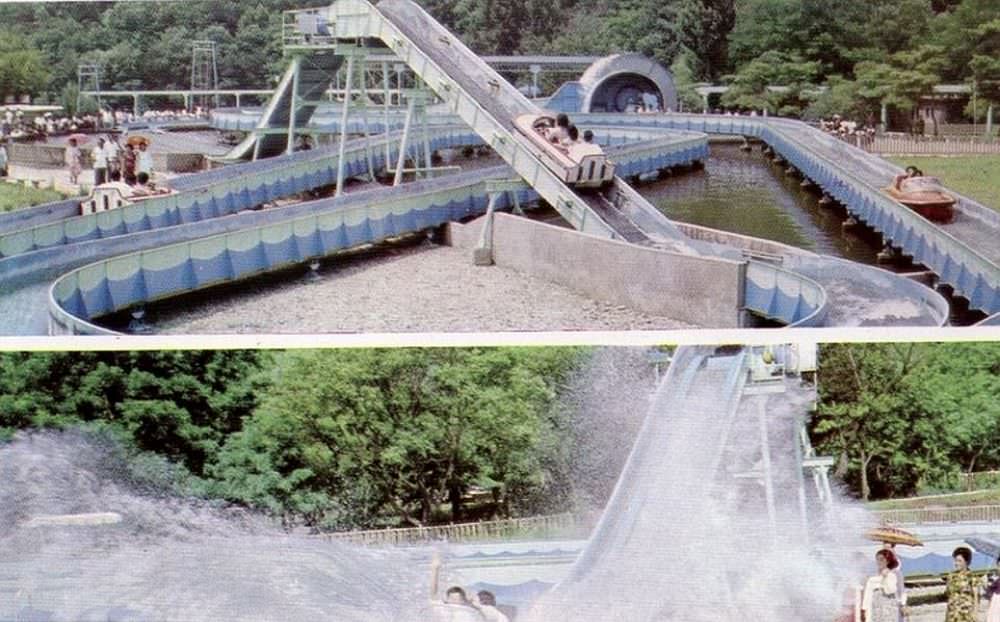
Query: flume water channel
x=743 y=192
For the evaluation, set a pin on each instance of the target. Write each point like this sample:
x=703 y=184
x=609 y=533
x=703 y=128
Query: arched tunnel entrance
x=626 y=93
x=627 y=83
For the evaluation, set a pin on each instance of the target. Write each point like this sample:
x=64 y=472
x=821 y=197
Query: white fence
x=967 y=514
x=915 y=145
x=535 y=527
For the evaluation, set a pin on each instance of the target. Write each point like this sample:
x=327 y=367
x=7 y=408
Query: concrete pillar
x=238 y=100
x=884 y=117
x=293 y=105
x=482 y=255
x=989 y=120
x=345 y=116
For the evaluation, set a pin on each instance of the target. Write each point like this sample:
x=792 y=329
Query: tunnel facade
x=626 y=83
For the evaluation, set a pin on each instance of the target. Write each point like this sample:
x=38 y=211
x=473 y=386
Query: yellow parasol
x=893 y=535
x=138 y=139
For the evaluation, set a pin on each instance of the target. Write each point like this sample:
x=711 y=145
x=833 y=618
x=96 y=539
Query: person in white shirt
x=100 y=157
x=486 y=603
x=144 y=160
x=111 y=152
x=880 y=602
x=900 y=587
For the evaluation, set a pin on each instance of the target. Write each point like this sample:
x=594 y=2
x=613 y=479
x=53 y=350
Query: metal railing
x=306 y=28
x=534 y=527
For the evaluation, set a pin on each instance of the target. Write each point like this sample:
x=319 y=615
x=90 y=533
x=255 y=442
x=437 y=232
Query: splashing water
x=687 y=535
x=171 y=558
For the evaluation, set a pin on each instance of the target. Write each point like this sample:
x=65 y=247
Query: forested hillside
x=867 y=51
x=364 y=438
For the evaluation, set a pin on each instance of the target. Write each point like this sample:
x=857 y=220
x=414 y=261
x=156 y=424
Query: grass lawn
x=977 y=177
x=979 y=497
x=17 y=196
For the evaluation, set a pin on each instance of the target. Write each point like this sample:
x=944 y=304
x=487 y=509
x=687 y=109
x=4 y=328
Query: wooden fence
x=916 y=145
x=562 y=525
x=968 y=514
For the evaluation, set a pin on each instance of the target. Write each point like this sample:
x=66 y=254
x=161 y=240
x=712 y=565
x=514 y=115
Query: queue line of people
x=111 y=160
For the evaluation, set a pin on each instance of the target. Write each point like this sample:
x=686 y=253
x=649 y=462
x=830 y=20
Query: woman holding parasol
x=890 y=537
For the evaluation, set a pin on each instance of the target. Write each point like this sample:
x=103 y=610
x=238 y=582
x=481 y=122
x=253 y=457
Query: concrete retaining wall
x=745 y=242
x=54 y=156
x=42 y=155
x=702 y=291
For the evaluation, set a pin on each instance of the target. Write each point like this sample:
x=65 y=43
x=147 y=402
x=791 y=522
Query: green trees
x=704 y=27
x=903 y=418
x=22 y=67
x=180 y=404
x=775 y=82
x=352 y=438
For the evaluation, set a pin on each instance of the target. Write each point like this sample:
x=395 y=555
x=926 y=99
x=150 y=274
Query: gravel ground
x=425 y=288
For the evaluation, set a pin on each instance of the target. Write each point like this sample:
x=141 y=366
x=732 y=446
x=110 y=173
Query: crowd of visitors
x=131 y=163
x=14 y=124
x=851 y=131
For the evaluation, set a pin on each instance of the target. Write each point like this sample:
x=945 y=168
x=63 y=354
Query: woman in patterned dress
x=962 y=589
x=880 y=602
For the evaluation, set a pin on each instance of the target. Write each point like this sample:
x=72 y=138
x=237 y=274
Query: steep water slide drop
x=637 y=221
x=686 y=535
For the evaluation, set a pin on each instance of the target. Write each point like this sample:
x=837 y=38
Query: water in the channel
x=745 y=193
